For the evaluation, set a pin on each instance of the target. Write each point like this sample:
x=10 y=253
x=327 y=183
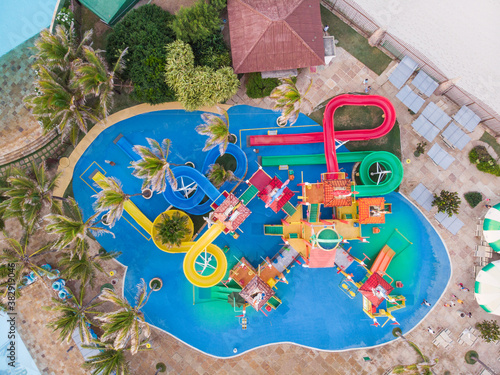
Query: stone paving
x=18 y=128
x=344 y=74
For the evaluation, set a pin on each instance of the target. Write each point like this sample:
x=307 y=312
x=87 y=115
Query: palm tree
x=85 y=267
x=171 y=230
x=290 y=101
x=73 y=314
x=27 y=193
x=217 y=129
x=61 y=104
x=95 y=78
x=127 y=323
x=109 y=361
x=218 y=175
x=111 y=199
x=59 y=49
x=18 y=258
x=72 y=229
x=153 y=167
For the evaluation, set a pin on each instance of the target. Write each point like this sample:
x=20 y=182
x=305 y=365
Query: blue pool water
x=315 y=311
x=22 y=19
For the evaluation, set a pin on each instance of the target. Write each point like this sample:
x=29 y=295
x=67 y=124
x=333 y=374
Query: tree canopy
x=197 y=86
x=145 y=31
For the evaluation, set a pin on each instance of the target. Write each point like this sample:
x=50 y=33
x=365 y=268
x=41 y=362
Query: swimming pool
x=22 y=19
x=315 y=311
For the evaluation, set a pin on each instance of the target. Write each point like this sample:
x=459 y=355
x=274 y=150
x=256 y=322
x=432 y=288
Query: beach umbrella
x=491 y=227
x=235 y=299
x=487 y=288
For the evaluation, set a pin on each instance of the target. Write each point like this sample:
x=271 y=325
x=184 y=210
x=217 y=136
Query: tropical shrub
x=447 y=202
x=74 y=86
x=473 y=198
x=420 y=149
x=211 y=51
x=172 y=229
x=489 y=330
x=65 y=17
x=484 y=161
x=290 y=101
x=196 y=22
x=218 y=175
x=145 y=31
x=218 y=4
x=258 y=87
x=217 y=129
x=197 y=86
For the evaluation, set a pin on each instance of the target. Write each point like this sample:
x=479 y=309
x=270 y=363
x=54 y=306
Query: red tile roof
x=337 y=193
x=365 y=205
x=370 y=284
x=269 y=35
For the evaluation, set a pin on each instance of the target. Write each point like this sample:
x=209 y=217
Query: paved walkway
x=345 y=74
x=18 y=128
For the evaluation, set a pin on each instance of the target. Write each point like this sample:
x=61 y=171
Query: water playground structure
x=319 y=242
x=292 y=238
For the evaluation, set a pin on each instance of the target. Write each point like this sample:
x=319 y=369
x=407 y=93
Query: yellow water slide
x=203 y=244
x=193 y=250
x=130 y=208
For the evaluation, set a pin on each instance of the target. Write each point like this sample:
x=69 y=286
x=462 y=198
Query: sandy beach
x=459 y=36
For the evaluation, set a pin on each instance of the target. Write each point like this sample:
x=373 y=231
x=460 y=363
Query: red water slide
x=328 y=135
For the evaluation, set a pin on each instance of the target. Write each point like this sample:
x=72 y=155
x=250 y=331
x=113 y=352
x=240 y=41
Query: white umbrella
x=491 y=227
x=487 y=288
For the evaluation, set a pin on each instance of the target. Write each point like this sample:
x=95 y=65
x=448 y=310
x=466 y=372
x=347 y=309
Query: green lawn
x=489 y=139
x=354 y=43
x=355 y=117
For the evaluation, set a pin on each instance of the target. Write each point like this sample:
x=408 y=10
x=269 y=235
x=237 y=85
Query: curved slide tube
x=192 y=249
x=205 y=242
x=328 y=136
x=367 y=159
x=192 y=204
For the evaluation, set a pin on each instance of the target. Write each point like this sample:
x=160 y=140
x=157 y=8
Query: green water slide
x=367 y=158
x=221 y=292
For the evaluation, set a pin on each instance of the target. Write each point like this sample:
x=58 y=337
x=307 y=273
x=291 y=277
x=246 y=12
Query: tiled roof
x=370 y=284
x=269 y=35
x=364 y=205
x=335 y=192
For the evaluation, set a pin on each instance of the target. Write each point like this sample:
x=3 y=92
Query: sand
x=459 y=36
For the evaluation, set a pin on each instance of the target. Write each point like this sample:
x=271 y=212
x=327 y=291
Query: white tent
x=487 y=288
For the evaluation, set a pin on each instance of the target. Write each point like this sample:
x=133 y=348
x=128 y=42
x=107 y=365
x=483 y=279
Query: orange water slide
x=383 y=260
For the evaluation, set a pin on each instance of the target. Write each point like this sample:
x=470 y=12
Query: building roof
x=257 y=293
x=371 y=210
x=269 y=35
x=109 y=11
x=373 y=282
x=232 y=213
x=266 y=194
x=337 y=192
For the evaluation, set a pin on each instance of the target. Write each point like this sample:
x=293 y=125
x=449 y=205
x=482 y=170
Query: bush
x=211 y=51
x=447 y=202
x=65 y=17
x=258 y=87
x=489 y=330
x=473 y=198
x=484 y=161
x=197 y=86
x=145 y=31
x=218 y=4
x=196 y=23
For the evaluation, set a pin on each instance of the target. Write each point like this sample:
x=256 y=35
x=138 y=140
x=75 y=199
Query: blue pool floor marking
x=86 y=175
